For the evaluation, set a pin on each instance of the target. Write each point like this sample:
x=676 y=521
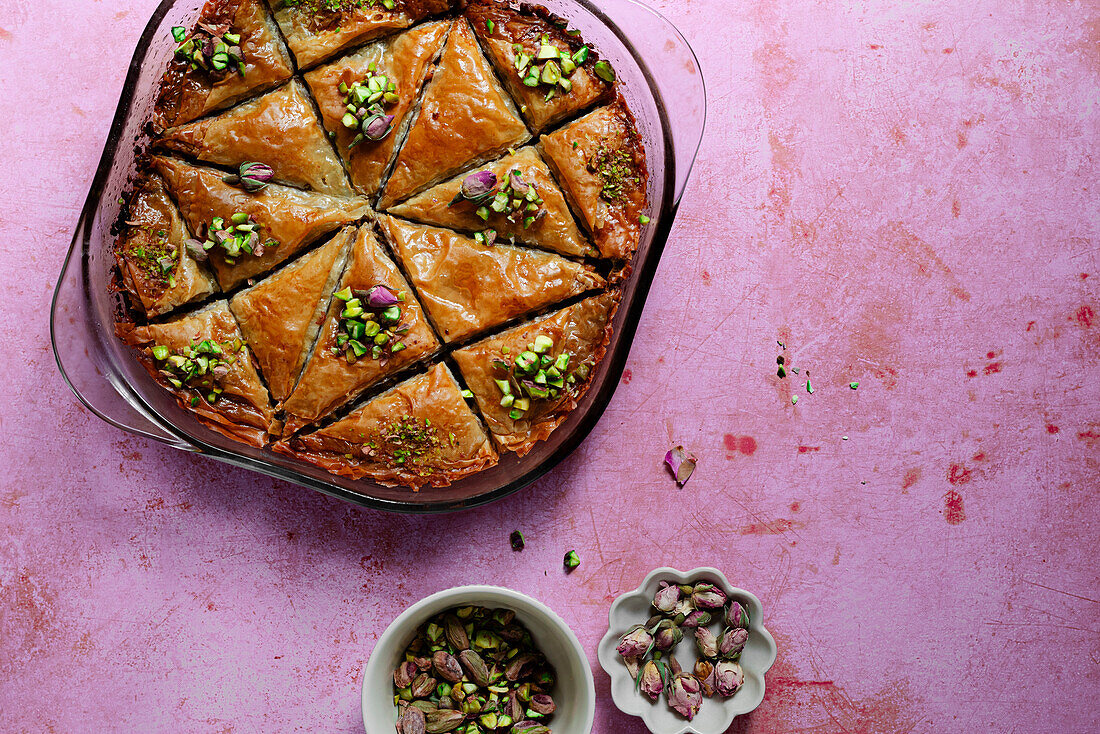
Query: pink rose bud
x=728 y=677
x=733 y=642
x=685 y=695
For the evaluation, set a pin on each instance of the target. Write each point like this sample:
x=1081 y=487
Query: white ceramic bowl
x=574 y=692
x=716 y=713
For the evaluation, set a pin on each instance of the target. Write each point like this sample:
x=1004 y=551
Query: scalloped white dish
x=716 y=713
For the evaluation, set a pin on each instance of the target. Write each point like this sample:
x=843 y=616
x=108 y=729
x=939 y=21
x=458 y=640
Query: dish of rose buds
x=687 y=651
x=383 y=237
x=473 y=670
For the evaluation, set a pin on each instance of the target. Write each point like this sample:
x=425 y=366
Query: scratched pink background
x=905 y=194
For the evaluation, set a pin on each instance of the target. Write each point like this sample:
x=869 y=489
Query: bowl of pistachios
x=687 y=651
x=478 y=660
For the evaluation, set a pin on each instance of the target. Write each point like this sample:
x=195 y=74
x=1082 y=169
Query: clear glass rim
x=643 y=273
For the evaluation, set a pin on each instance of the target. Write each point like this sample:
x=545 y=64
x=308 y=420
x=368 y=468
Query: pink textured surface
x=905 y=195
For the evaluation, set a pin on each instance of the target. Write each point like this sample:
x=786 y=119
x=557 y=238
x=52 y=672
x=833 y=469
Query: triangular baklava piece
x=465 y=119
x=280 y=315
x=279 y=129
x=248 y=233
x=551 y=72
x=158 y=267
x=203 y=360
x=468 y=286
x=233 y=51
x=601 y=165
x=317 y=29
x=374 y=328
x=523 y=204
x=419 y=432
x=382 y=81
x=527 y=379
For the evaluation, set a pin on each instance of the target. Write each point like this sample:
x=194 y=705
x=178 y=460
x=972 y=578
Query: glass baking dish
x=660 y=75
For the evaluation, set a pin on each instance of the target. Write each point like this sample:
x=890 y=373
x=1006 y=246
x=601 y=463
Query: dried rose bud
x=478 y=185
x=733 y=642
x=255 y=176
x=633 y=665
x=706 y=642
x=667 y=635
x=697 y=618
x=412 y=721
x=404 y=675
x=423 y=686
x=446 y=667
x=685 y=695
x=443 y=720
x=381 y=296
x=674 y=665
x=455 y=632
x=377 y=126
x=651 y=682
x=636 y=642
x=542 y=704
x=475 y=667
x=252 y=176
x=666 y=598
x=737 y=615
x=728 y=677
x=681 y=463
x=706 y=595
x=683 y=608
x=704 y=673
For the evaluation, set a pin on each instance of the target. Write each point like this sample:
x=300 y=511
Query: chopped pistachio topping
x=365 y=102
x=200 y=366
x=369 y=324
x=214 y=49
x=407 y=442
x=516 y=199
x=240 y=234
x=571 y=560
x=548 y=65
x=322 y=7
x=154 y=256
x=535 y=374
x=615 y=168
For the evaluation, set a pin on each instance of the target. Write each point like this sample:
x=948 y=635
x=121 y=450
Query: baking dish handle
x=675 y=74
x=79 y=352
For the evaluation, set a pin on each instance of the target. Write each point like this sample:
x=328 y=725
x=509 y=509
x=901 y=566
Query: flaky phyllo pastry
x=381 y=237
